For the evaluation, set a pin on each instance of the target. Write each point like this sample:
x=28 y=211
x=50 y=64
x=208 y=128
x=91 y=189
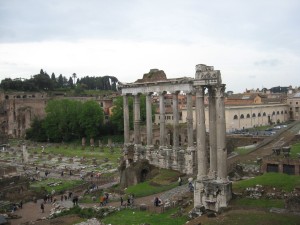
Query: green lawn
x=66 y=185
x=277 y=180
x=148 y=188
x=254 y=218
x=295 y=150
x=261 y=203
x=243 y=151
x=163 y=181
x=135 y=217
x=76 y=151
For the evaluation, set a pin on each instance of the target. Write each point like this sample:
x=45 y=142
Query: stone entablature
x=170 y=85
x=192 y=157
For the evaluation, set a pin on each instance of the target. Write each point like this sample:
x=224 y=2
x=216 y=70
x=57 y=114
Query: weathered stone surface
x=153 y=75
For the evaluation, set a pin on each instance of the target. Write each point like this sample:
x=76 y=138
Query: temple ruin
x=212 y=187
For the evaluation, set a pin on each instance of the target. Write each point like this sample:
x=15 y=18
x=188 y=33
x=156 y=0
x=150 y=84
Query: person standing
x=42 y=207
x=122 y=200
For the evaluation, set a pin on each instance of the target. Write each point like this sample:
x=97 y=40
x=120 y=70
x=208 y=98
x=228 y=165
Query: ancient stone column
x=162 y=118
x=126 y=119
x=201 y=133
x=212 y=131
x=137 y=119
x=189 y=121
x=175 y=121
x=149 y=119
x=221 y=134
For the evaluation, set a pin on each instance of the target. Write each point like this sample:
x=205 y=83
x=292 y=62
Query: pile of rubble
x=259 y=191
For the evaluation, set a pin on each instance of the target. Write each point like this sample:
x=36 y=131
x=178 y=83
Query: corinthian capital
x=220 y=90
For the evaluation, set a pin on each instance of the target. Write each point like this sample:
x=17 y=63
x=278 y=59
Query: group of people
x=129 y=202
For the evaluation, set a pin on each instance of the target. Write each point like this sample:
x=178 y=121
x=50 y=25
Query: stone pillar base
x=138 y=152
x=149 y=151
x=212 y=194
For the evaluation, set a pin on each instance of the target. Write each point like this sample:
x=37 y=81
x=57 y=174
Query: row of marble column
x=217 y=129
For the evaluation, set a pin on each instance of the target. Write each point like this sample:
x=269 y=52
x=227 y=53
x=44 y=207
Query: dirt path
x=31 y=211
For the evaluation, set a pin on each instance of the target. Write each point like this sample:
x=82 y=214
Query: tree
x=74 y=77
x=60 y=81
x=91 y=118
x=70 y=82
x=36 y=132
x=70 y=119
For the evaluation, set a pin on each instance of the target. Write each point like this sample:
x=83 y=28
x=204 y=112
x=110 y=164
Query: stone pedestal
x=212 y=194
x=137 y=152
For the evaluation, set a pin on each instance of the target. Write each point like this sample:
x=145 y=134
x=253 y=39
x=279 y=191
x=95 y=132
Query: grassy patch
x=277 y=180
x=148 y=188
x=243 y=151
x=295 y=150
x=163 y=181
x=254 y=217
x=65 y=185
x=262 y=203
x=166 y=176
x=76 y=151
x=134 y=217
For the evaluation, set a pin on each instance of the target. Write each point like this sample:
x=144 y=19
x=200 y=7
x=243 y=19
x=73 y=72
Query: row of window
x=258 y=115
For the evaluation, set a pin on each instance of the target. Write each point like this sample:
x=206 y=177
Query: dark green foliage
x=36 y=132
x=99 y=83
x=43 y=82
x=67 y=120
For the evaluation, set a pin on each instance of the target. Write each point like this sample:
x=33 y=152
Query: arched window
x=253 y=115
x=248 y=115
x=235 y=117
x=277 y=112
x=273 y=113
x=242 y=116
x=258 y=115
x=285 y=112
x=264 y=114
x=282 y=112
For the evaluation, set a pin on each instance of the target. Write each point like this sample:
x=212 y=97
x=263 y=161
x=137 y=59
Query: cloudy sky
x=253 y=43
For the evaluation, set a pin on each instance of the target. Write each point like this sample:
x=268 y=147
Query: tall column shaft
x=201 y=133
x=162 y=118
x=175 y=121
x=221 y=133
x=212 y=130
x=149 y=119
x=189 y=120
x=137 y=119
x=126 y=119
